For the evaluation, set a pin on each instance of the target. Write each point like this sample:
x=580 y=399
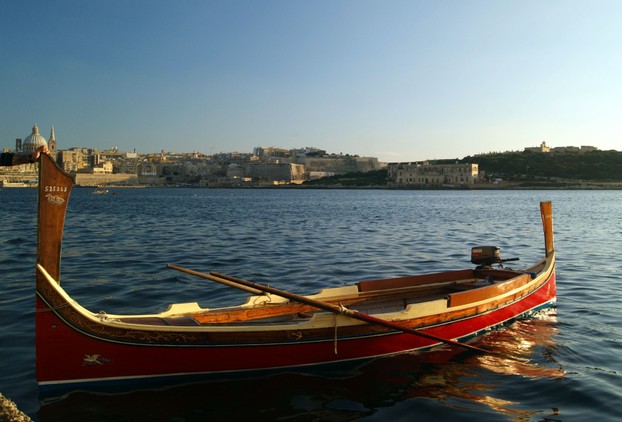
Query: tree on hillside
x=593 y=166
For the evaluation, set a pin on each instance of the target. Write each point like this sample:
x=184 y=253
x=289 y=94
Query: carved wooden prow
x=54 y=189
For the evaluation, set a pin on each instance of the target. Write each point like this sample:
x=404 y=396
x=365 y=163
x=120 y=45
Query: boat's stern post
x=546 y=211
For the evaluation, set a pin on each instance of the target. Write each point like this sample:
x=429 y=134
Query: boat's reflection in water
x=437 y=383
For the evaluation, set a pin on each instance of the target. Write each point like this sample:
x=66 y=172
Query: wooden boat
x=274 y=330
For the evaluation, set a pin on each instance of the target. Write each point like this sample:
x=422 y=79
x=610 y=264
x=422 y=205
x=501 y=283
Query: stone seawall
x=85 y=179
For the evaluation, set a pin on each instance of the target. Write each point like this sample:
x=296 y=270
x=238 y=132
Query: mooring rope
x=335 y=337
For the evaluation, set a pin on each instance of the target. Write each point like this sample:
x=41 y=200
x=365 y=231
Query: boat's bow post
x=54 y=189
x=546 y=211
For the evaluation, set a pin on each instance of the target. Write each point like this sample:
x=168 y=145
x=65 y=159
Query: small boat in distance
x=100 y=191
x=274 y=329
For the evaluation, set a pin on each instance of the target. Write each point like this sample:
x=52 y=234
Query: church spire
x=52 y=141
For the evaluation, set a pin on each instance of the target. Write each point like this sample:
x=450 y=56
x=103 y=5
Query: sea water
x=565 y=364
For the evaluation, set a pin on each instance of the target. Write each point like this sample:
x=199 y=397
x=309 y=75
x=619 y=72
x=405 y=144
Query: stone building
x=277 y=173
x=424 y=174
x=544 y=148
x=72 y=160
x=339 y=164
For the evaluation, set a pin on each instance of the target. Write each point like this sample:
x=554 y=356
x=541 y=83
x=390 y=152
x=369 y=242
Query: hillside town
x=265 y=166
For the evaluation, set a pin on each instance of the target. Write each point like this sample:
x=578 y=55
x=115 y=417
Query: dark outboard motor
x=485 y=256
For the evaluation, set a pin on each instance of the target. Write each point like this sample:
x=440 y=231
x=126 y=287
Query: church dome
x=33 y=141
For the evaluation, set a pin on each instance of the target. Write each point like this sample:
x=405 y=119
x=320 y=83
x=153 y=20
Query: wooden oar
x=340 y=310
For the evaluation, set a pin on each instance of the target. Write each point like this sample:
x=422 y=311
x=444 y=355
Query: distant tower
x=18 y=144
x=52 y=141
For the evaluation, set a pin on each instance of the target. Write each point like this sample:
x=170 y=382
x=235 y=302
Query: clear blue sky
x=398 y=80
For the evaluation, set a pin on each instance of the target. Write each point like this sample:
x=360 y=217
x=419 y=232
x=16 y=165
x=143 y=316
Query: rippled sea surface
x=564 y=365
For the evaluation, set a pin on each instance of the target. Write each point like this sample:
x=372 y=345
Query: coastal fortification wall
x=85 y=179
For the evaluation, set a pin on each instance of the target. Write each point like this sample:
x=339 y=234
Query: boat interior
x=371 y=297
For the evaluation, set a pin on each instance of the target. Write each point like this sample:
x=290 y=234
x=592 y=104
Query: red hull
x=67 y=356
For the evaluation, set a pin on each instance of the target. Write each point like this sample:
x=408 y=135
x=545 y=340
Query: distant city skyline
x=400 y=80
x=542 y=147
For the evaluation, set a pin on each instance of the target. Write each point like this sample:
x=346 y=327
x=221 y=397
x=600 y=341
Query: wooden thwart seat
x=414 y=281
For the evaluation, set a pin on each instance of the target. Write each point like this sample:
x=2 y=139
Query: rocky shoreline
x=9 y=411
